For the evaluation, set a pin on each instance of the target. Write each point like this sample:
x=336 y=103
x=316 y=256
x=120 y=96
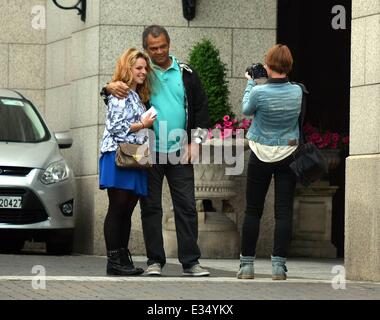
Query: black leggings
x=259 y=176
x=117 y=224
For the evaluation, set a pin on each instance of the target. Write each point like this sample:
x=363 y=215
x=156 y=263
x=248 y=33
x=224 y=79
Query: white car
x=37 y=188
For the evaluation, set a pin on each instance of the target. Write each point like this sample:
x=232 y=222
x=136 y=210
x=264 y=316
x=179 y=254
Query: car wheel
x=60 y=243
x=11 y=246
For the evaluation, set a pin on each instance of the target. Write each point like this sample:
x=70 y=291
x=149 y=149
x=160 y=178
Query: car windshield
x=19 y=122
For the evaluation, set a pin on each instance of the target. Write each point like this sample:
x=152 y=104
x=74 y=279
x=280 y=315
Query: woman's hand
x=247 y=76
x=118 y=89
x=148 y=121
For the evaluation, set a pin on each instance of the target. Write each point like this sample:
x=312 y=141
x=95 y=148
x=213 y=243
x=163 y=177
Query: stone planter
x=218 y=236
x=312 y=221
x=313 y=215
x=333 y=157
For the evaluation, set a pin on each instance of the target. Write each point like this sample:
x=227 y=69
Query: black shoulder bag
x=309 y=164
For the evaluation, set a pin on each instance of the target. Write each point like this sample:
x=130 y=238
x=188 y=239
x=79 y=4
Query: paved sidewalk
x=82 y=277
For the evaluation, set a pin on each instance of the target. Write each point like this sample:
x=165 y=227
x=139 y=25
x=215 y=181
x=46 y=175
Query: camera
x=257 y=71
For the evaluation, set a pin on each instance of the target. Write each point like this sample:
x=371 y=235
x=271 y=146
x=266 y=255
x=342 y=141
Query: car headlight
x=55 y=172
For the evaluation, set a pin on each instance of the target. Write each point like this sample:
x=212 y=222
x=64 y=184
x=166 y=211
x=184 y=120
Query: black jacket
x=195 y=100
x=196 y=106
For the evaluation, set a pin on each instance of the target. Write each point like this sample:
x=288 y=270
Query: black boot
x=128 y=263
x=117 y=264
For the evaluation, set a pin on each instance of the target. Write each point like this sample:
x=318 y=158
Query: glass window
x=19 y=122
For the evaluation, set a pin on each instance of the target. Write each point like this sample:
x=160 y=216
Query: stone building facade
x=62 y=64
x=362 y=219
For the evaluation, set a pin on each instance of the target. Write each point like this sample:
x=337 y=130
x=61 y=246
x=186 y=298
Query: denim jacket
x=275 y=106
x=121 y=114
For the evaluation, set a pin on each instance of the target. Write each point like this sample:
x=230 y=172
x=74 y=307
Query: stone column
x=362 y=219
x=72 y=103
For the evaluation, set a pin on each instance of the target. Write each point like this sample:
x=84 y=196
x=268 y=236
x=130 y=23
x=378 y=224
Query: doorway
x=322 y=61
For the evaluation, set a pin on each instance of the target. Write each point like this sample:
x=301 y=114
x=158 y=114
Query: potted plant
x=205 y=59
x=331 y=143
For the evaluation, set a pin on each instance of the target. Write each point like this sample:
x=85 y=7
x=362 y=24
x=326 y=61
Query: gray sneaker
x=196 y=271
x=153 y=270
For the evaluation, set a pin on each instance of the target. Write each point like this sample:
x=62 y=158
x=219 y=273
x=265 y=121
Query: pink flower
x=227 y=133
x=229 y=127
x=316 y=138
x=309 y=129
x=335 y=137
x=327 y=138
x=324 y=139
x=246 y=122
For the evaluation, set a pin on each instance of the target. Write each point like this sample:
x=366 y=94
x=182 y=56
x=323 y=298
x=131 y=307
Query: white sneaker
x=196 y=271
x=153 y=270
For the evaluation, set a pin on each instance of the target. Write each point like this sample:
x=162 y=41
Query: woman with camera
x=273 y=137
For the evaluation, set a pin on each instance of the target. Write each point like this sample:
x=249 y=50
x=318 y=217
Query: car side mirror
x=64 y=139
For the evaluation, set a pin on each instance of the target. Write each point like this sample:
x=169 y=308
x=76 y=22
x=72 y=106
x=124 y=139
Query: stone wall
x=72 y=103
x=362 y=238
x=22 y=50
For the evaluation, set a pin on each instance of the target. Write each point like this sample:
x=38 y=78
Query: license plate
x=8 y=202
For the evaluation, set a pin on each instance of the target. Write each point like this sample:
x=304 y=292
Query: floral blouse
x=121 y=114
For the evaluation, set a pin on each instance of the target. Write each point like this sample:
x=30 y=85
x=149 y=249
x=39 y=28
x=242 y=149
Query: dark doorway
x=322 y=61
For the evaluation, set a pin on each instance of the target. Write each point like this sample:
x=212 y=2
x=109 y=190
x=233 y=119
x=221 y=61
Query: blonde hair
x=279 y=59
x=123 y=72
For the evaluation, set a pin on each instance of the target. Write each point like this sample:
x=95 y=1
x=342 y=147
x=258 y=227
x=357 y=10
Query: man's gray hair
x=155 y=31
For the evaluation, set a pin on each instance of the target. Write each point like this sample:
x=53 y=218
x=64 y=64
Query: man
x=181 y=103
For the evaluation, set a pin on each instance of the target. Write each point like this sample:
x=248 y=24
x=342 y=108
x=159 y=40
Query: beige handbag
x=133 y=156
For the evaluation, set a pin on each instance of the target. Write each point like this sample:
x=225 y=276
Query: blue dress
x=121 y=114
x=110 y=176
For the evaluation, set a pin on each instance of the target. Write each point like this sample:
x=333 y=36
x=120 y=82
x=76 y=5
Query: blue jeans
x=259 y=176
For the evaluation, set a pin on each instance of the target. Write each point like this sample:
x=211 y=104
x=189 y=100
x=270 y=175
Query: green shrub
x=205 y=59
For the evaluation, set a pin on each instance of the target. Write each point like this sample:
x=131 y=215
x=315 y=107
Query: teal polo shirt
x=168 y=97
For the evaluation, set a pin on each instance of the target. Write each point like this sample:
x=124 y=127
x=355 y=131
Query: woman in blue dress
x=124 y=186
